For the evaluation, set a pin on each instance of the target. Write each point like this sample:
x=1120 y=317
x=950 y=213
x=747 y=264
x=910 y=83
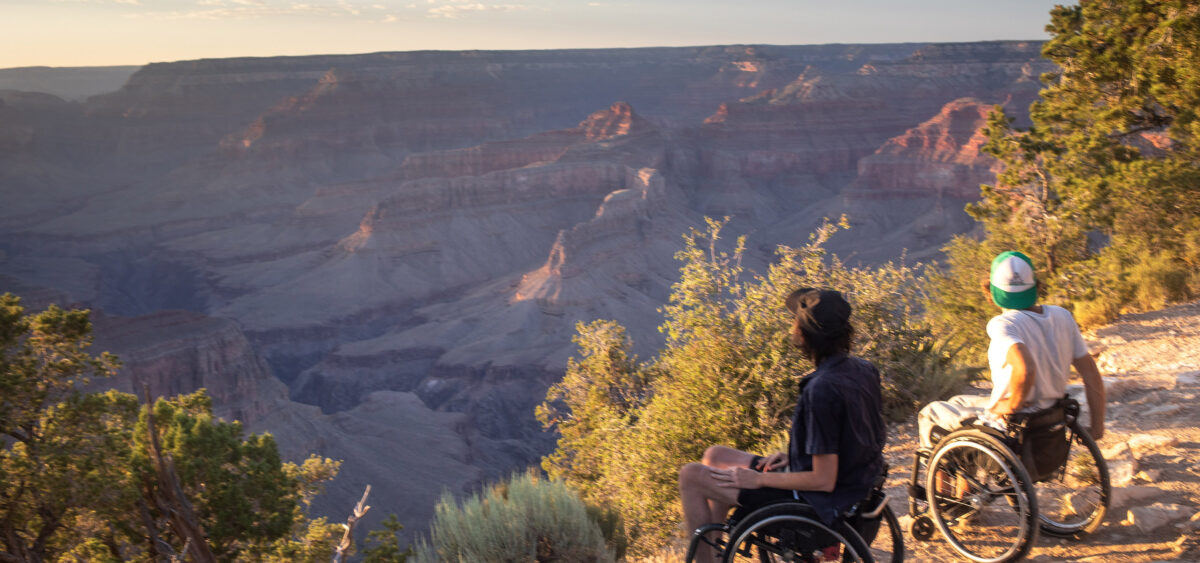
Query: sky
x=136 y=32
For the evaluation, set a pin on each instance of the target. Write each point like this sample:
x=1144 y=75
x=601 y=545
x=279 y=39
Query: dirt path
x=1151 y=362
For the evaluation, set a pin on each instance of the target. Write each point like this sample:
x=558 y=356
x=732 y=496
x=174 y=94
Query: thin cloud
x=256 y=9
x=453 y=11
x=121 y=2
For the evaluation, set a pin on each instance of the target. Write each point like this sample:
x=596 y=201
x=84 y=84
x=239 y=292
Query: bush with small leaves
x=524 y=519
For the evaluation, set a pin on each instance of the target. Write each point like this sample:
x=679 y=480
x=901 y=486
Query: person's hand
x=772 y=462
x=1001 y=409
x=738 y=478
x=994 y=420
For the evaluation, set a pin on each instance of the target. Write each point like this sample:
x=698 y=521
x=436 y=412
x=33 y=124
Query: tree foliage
x=1103 y=190
x=77 y=482
x=727 y=374
x=383 y=546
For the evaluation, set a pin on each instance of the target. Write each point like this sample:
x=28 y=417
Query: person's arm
x=1020 y=383
x=823 y=477
x=1093 y=387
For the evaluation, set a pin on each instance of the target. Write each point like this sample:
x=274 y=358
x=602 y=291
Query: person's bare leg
x=699 y=491
x=723 y=457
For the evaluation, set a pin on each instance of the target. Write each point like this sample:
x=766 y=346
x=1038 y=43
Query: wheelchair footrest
x=916 y=491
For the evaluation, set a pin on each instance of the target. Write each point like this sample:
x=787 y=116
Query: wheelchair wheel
x=792 y=532
x=981 y=498
x=1073 y=502
x=888 y=544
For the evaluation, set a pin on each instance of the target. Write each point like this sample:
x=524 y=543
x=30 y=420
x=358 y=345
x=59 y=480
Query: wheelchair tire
x=792 y=532
x=922 y=528
x=990 y=513
x=1074 y=501
x=888 y=545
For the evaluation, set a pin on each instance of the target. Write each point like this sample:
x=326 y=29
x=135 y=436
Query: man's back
x=1053 y=341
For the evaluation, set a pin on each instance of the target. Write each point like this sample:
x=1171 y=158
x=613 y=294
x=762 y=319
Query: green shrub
x=924 y=373
x=1096 y=311
x=524 y=519
x=1157 y=280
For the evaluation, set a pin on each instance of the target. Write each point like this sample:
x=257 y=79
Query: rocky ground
x=1151 y=364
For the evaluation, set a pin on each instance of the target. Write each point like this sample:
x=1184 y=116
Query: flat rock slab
x=1143 y=444
x=1120 y=450
x=1117 y=388
x=1150 y=518
x=1122 y=471
x=1128 y=496
x=1163 y=410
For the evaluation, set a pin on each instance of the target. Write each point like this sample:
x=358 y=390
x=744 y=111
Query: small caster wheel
x=921 y=528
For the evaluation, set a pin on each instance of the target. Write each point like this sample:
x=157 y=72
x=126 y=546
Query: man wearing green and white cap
x=1032 y=350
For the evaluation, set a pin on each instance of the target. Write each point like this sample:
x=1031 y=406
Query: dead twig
x=360 y=509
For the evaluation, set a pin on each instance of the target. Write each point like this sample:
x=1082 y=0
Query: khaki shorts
x=949 y=415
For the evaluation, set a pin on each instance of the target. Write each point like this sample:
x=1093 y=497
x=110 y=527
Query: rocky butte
x=381 y=258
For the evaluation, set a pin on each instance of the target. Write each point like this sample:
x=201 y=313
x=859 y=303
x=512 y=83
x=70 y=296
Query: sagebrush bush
x=524 y=519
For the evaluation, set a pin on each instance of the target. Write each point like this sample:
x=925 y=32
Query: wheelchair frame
x=1002 y=450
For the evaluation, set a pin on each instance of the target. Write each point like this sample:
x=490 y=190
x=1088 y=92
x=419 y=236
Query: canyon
x=381 y=258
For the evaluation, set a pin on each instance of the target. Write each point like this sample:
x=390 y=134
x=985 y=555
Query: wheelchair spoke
x=1075 y=498
x=974 y=486
x=791 y=532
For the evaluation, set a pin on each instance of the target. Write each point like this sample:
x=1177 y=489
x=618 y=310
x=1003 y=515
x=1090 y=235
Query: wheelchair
x=791 y=531
x=990 y=492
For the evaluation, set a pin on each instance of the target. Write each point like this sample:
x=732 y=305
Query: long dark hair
x=822 y=317
x=819 y=346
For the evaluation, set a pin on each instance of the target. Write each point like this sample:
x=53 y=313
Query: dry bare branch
x=360 y=509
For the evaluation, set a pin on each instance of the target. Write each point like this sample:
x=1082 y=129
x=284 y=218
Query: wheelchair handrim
x=1103 y=491
x=1008 y=466
x=733 y=545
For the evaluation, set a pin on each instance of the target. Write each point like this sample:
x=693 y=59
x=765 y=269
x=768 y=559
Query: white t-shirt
x=1054 y=341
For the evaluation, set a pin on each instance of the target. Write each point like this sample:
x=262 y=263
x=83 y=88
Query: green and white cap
x=1012 y=282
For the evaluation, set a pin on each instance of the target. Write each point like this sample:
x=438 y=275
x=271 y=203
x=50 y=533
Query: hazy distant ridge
x=68 y=83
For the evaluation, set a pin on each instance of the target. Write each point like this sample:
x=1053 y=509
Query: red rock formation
x=616 y=121
x=940 y=157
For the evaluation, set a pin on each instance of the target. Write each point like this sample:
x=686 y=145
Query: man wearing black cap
x=835 y=452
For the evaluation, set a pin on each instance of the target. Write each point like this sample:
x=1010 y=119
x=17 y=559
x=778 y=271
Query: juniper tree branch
x=170 y=498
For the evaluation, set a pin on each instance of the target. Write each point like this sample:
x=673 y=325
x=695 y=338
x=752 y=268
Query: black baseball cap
x=821 y=311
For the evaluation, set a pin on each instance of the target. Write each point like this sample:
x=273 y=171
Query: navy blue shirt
x=839 y=411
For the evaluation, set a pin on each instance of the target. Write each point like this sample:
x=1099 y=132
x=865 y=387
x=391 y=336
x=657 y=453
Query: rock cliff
x=940 y=157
